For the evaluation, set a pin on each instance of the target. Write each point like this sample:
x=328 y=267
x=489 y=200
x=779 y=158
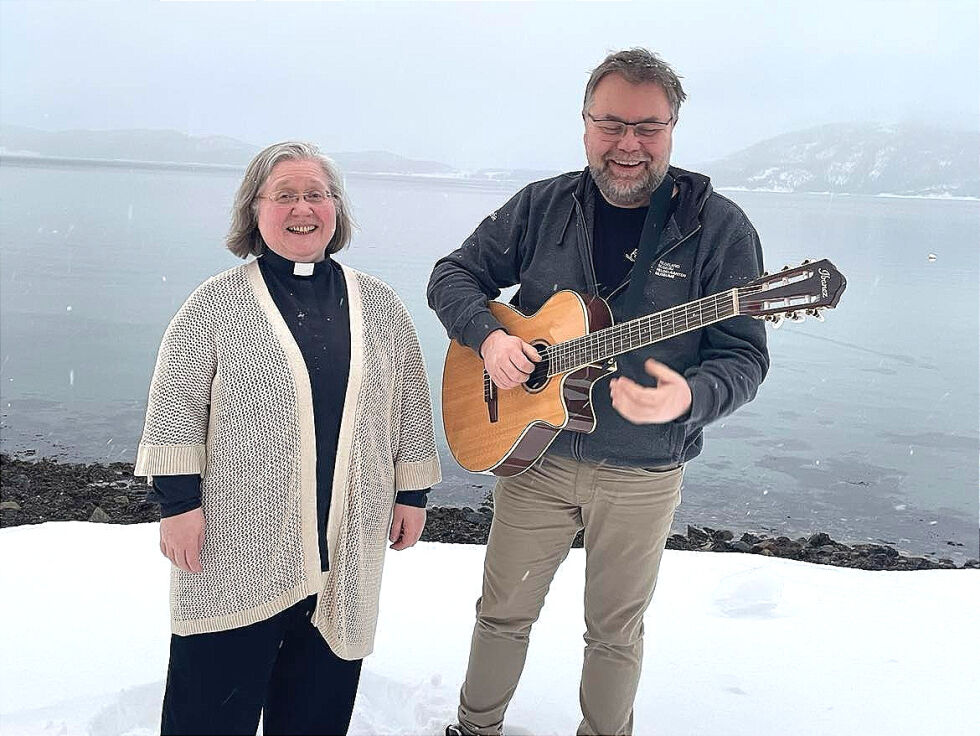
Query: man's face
x=628 y=168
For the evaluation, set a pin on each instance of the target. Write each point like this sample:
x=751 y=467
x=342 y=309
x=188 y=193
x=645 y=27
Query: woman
x=288 y=432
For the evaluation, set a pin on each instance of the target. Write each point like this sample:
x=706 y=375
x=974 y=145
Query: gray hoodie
x=542 y=240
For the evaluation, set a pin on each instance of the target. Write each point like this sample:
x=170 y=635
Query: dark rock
x=751 y=538
x=18 y=480
x=697 y=537
x=722 y=535
x=876 y=550
x=99 y=516
x=819 y=540
x=741 y=546
x=679 y=541
x=720 y=546
x=476 y=517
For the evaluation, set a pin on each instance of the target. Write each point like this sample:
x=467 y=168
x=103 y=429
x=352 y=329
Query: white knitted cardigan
x=231 y=400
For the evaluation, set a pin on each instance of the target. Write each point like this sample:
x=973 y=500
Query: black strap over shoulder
x=653 y=225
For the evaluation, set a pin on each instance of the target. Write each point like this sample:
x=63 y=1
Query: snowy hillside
x=170 y=146
x=858 y=159
x=736 y=644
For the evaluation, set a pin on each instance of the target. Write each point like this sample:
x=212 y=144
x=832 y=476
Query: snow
x=736 y=644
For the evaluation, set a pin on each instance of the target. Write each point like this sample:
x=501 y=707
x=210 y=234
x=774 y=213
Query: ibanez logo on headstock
x=793 y=293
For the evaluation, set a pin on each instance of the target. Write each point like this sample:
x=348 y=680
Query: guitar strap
x=653 y=225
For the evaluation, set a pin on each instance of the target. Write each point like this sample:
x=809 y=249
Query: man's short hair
x=638 y=66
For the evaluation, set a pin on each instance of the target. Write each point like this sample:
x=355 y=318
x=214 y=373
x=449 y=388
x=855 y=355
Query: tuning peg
x=797 y=316
x=815 y=313
x=784 y=268
x=777 y=320
x=765 y=273
x=806 y=261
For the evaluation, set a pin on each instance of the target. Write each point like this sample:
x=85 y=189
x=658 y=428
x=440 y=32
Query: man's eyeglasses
x=312 y=197
x=617 y=128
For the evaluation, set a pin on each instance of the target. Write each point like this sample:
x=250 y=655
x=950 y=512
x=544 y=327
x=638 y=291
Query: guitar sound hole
x=539 y=376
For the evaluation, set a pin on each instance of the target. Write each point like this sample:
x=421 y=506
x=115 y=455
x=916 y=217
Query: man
x=621 y=483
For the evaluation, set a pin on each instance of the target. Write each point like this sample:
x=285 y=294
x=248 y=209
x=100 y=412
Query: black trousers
x=282 y=668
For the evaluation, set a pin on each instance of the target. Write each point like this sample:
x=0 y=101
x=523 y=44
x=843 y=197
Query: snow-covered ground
x=736 y=644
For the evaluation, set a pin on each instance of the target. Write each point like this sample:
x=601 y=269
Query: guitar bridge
x=490 y=396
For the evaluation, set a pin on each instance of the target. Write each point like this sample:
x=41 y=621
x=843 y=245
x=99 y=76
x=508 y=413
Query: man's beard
x=624 y=193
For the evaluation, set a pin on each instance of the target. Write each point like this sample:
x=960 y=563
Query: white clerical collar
x=303 y=269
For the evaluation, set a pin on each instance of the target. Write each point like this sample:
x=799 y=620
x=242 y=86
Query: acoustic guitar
x=504 y=431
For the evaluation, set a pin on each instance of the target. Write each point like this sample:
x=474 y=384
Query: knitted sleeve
x=416 y=460
x=178 y=409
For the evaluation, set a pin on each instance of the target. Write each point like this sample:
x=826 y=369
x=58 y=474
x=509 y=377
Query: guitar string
x=626 y=336
x=580 y=347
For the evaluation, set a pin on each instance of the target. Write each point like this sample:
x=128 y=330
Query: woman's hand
x=406 y=526
x=181 y=539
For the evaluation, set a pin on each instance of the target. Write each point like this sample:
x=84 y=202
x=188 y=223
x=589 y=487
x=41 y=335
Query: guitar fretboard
x=618 y=339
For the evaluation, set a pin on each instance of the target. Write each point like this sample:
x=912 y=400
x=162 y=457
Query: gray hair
x=243 y=237
x=638 y=66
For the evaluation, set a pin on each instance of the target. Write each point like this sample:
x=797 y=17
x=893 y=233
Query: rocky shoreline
x=36 y=491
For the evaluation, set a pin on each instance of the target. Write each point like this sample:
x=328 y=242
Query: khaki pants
x=626 y=514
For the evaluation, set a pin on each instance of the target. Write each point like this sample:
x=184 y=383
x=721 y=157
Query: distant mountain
x=169 y=146
x=844 y=158
x=858 y=159
x=388 y=163
x=131 y=145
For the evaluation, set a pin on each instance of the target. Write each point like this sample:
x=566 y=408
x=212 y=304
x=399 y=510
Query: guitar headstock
x=793 y=293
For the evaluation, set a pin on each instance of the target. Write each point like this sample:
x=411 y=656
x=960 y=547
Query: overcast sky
x=480 y=84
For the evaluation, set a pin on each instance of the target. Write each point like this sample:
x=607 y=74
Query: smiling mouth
x=301 y=229
x=627 y=164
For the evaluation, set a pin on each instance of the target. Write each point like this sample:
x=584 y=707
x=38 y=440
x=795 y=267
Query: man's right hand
x=181 y=539
x=508 y=359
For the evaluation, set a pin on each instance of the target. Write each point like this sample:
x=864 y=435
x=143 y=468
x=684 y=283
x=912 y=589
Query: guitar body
x=507 y=432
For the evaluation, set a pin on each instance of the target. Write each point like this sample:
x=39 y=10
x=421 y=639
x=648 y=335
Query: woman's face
x=298 y=231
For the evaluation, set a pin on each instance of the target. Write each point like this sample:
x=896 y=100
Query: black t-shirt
x=615 y=239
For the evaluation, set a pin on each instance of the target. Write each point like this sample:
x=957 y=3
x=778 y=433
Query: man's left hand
x=406 y=526
x=641 y=405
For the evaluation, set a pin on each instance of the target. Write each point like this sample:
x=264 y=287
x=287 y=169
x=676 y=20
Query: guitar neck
x=600 y=346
